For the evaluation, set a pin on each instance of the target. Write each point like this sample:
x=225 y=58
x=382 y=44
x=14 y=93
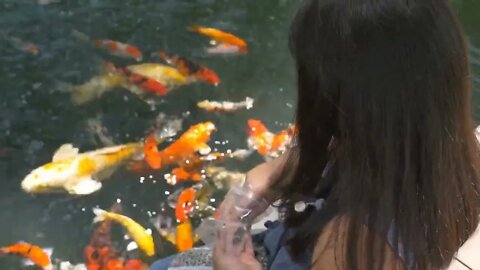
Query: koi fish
x=192 y=168
x=113 y=76
x=225 y=106
x=138 y=233
x=185 y=204
x=115 y=48
x=192 y=141
x=95 y=87
x=21 y=45
x=224 y=49
x=181 y=235
x=168 y=76
x=189 y=69
x=35 y=254
x=267 y=143
x=78 y=173
x=223 y=38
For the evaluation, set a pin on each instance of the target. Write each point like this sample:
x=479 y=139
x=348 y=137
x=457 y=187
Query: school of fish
x=183 y=155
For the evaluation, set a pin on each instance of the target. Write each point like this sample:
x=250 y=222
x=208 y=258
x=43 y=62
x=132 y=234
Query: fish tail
x=82 y=94
x=94 y=88
x=249 y=103
x=194 y=28
x=80 y=36
x=100 y=215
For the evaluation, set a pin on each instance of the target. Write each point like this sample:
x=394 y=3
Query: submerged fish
x=138 y=233
x=225 y=106
x=78 y=173
x=21 y=45
x=113 y=47
x=35 y=254
x=95 y=87
x=266 y=143
x=223 y=38
x=189 y=68
x=193 y=141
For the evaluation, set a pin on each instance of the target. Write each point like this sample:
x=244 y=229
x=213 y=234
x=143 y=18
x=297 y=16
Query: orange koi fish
x=35 y=254
x=265 y=142
x=185 y=204
x=113 y=47
x=225 y=106
x=181 y=235
x=189 y=68
x=223 y=38
x=192 y=141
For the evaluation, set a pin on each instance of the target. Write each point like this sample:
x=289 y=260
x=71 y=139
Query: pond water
x=37 y=116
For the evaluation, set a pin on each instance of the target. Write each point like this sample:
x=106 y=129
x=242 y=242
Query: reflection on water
x=40 y=61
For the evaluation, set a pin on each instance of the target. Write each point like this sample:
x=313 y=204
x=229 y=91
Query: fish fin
x=204 y=149
x=80 y=36
x=62 y=87
x=131 y=246
x=84 y=186
x=65 y=151
x=107 y=173
x=241 y=154
x=100 y=215
x=249 y=103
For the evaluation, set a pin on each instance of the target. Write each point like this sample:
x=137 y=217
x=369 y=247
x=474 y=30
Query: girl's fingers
x=220 y=244
x=249 y=245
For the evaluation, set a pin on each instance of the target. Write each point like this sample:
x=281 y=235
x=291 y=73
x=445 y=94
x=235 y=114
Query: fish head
x=207 y=75
x=44 y=179
x=205 y=104
x=256 y=128
x=203 y=131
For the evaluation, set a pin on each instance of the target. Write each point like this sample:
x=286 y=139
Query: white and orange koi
x=225 y=106
x=78 y=173
x=111 y=46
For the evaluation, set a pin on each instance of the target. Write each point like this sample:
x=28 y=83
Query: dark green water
x=35 y=119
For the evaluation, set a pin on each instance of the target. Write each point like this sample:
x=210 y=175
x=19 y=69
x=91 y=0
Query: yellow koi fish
x=139 y=234
x=78 y=173
x=168 y=76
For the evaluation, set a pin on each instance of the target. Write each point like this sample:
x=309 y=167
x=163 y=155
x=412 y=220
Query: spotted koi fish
x=268 y=144
x=113 y=47
x=78 y=173
x=189 y=68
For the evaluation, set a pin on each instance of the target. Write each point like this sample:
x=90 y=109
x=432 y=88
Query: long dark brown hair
x=389 y=80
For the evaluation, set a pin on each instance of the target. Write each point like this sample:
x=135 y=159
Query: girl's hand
x=234 y=254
